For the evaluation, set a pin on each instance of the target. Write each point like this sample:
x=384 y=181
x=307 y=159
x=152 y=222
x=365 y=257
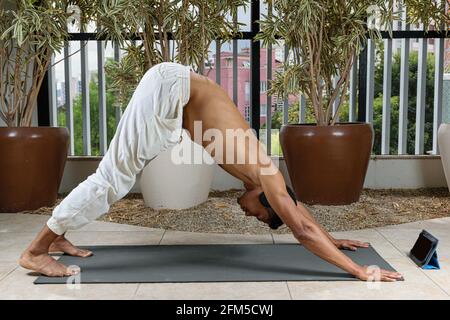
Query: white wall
x=405 y=173
x=384 y=172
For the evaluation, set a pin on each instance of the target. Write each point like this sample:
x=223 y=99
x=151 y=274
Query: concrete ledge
x=384 y=172
x=405 y=173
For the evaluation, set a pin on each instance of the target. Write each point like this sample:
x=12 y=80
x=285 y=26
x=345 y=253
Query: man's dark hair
x=275 y=221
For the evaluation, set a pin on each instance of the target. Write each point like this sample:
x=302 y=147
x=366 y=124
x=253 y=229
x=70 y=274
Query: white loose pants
x=151 y=123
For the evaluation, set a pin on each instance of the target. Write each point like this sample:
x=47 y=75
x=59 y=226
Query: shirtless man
x=170 y=96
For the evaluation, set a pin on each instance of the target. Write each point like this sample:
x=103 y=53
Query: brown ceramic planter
x=32 y=161
x=327 y=164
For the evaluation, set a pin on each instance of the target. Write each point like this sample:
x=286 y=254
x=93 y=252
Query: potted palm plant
x=32 y=158
x=167 y=30
x=327 y=161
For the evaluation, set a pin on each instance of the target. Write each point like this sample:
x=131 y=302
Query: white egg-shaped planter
x=179 y=177
x=444 y=147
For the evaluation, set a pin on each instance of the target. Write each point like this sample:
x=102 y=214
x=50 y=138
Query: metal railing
x=366 y=87
x=360 y=95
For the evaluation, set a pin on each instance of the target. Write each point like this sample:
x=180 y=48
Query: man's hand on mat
x=351 y=245
x=373 y=273
x=61 y=244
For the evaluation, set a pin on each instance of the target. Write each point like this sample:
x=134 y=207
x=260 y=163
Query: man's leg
x=135 y=143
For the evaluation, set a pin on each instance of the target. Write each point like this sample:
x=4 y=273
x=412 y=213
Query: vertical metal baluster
x=85 y=98
x=269 y=97
x=102 y=97
x=302 y=109
x=362 y=84
x=255 y=70
x=218 y=62
x=370 y=80
x=52 y=93
x=439 y=51
x=117 y=59
x=235 y=65
x=387 y=92
x=269 y=101
x=353 y=91
x=68 y=98
x=421 y=95
x=438 y=90
x=286 y=101
x=404 y=82
x=336 y=102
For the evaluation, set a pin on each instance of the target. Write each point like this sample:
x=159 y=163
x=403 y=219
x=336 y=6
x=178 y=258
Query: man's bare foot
x=45 y=265
x=61 y=244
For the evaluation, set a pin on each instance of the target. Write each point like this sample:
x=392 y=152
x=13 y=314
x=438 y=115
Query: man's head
x=251 y=205
x=254 y=203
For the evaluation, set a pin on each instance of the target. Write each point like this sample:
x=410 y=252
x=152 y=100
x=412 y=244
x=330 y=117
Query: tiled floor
x=17 y=230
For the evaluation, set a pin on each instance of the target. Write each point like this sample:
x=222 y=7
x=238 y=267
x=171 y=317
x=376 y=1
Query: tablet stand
x=433 y=263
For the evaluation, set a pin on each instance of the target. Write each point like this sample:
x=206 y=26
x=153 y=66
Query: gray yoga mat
x=210 y=263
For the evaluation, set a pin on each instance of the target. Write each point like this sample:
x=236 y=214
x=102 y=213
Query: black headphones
x=275 y=222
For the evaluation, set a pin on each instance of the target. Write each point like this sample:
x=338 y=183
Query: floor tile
x=214 y=291
x=392 y=242
x=441 y=277
x=111 y=226
x=19 y=285
x=416 y=286
x=404 y=239
x=6 y=268
x=12 y=245
x=22 y=222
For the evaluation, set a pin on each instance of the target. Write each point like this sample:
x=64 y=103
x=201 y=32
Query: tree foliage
x=378 y=105
x=168 y=30
x=323 y=38
x=30 y=31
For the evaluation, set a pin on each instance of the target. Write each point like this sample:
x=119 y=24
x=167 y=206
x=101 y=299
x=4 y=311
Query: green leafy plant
x=325 y=36
x=165 y=30
x=30 y=31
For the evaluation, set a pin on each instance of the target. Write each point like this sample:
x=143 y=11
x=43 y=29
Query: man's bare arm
x=308 y=233
x=339 y=243
x=308 y=216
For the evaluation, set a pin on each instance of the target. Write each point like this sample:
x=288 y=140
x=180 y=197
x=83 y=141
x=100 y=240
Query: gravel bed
x=221 y=213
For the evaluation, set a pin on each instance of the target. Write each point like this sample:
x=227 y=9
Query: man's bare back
x=211 y=106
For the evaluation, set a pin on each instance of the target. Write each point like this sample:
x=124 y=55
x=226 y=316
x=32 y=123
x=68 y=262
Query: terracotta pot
x=444 y=147
x=327 y=164
x=31 y=166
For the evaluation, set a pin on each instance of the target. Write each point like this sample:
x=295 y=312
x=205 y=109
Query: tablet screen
x=421 y=248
